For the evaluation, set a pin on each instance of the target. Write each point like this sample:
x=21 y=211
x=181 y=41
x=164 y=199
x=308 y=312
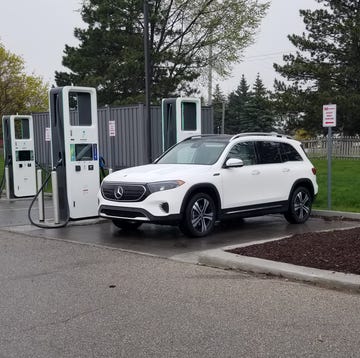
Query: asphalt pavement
x=64 y=299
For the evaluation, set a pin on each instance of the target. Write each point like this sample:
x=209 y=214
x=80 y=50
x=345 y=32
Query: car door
x=273 y=172
x=240 y=185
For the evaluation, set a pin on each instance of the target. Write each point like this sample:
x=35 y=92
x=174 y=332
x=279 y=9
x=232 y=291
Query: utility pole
x=147 y=78
x=210 y=79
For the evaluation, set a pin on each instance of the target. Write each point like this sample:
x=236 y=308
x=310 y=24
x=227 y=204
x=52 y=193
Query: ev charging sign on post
x=329 y=115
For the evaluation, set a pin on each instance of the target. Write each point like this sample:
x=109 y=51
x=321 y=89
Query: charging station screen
x=24 y=155
x=22 y=128
x=80 y=109
x=83 y=152
x=188 y=122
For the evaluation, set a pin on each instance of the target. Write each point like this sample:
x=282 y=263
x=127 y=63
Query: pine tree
x=236 y=113
x=325 y=68
x=218 y=100
x=258 y=111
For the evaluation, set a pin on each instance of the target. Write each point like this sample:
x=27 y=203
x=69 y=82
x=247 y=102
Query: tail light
x=313 y=170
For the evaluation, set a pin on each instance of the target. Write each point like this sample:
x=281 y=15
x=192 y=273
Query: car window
x=244 y=151
x=289 y=153
x=269 y=152
x=194 y=152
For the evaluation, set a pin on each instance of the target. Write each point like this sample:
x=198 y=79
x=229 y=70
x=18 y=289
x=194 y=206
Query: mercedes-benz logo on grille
x=119 y=192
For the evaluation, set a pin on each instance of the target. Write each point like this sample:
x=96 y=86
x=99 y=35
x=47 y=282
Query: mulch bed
x=337 y=250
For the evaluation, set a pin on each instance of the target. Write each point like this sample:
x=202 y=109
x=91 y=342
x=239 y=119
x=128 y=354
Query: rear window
x=289 y=153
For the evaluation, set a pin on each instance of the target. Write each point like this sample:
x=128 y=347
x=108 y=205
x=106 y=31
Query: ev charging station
x=20 y=171
x=181 y=118
x=74 y=150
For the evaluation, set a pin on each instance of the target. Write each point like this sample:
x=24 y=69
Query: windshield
x=195 y=151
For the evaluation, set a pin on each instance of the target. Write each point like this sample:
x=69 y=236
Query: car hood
x=157 y=172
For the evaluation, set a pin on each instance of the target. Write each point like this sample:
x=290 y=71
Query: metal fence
x=342 y=147
x=129 y=145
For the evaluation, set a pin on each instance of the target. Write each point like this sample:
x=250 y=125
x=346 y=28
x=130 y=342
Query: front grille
x=122 y=213
x=123 y=191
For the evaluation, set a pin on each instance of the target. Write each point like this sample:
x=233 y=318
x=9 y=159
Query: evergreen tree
x=325 y=69
x=218 y=101
x=258 y=112
x=236 y=113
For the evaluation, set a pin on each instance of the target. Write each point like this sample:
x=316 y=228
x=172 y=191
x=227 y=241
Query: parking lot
x=163 y=241
x=70 y=296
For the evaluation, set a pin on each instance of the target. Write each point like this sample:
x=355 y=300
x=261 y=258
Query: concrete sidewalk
x=221 y=259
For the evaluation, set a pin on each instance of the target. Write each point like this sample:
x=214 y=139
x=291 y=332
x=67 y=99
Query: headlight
x=164 y=185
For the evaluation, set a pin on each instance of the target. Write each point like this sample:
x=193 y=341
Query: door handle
x=285 y=170
x=255 y=172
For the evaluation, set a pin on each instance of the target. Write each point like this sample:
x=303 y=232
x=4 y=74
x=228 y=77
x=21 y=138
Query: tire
x=126 y=224
x=199 y=216
x=299 y=206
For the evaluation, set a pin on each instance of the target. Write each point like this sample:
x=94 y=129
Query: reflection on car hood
x=157 y=172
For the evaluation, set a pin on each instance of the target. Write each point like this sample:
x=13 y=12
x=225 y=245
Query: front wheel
x=126 y=224
x=299 y=206
x=199 y=216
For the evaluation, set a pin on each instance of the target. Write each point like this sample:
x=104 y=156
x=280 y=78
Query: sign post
x=329 y=121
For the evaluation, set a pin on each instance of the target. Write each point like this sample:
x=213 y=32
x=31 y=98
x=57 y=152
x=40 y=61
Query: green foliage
x=110 y=56
x=325 y=69
x=218 y=100
x=345 y=192
x=250 y=111
x=19 y=92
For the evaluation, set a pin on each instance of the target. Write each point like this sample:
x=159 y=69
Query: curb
x=335 y=214
x=220 y=259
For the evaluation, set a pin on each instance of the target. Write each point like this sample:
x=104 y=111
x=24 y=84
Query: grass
x=345 y=193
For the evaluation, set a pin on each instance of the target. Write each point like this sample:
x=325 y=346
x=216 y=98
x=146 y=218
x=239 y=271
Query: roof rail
x=270 y=134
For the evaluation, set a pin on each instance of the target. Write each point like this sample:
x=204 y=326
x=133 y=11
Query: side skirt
x=254 y=210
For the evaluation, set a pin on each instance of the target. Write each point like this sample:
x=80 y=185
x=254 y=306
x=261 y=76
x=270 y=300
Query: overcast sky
x=38 y=30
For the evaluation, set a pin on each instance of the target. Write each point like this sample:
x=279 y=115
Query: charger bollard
x=74 y=151
x=181 y=118
x=40 y=196
x=19 y=158
x=55 y=196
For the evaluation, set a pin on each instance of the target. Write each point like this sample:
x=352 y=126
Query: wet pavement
x=163 y=241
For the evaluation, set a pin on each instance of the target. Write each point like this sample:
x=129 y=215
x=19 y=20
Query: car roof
x=230 y=138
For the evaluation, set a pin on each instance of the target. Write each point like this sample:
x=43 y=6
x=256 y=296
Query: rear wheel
x=126 y=224
x=199 y=216
x=299 y=206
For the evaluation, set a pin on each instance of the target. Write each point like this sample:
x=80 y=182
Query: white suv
x=208 y=178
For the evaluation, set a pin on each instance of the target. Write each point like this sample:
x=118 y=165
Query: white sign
x=47 y=134
x=329 y=115
x=112 y=132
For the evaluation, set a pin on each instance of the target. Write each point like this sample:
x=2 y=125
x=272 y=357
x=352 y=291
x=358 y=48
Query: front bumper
x=137 y=214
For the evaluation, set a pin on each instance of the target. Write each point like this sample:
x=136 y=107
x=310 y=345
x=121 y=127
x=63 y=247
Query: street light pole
x=147 y=78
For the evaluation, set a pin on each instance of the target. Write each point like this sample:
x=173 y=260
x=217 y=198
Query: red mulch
x=337 y=250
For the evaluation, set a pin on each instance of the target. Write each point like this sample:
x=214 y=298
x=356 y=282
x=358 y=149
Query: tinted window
x=289 y=153
x=269 y=152
x=244 y=151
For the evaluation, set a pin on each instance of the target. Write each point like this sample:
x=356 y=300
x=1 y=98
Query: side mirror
x=234 y=163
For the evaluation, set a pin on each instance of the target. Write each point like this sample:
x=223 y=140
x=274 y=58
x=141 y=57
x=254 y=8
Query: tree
x=259 y=115
x=325 y=68
x=218 y=101
x=250 y=111
x=236 y=115
x=110 y=56
x=19 y=92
